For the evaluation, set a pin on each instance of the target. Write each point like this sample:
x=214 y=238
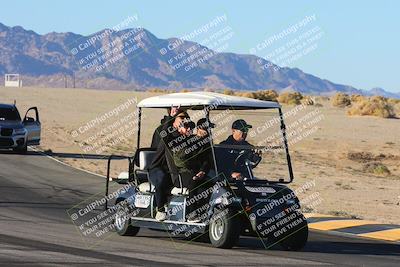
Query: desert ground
x=81 y=127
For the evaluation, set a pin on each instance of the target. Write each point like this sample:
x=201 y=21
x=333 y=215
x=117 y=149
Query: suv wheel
x=21 y=150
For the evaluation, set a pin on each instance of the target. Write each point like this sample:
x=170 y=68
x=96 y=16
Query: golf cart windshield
x=259 y=152
x=263 y=149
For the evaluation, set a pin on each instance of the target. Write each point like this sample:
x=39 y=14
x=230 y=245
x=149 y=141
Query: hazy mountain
x=134 y=61
x=382 y=92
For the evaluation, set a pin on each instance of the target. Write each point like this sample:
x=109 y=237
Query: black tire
x=21 y=150
x=297 y=240
x=122 y=222
x=224 y=229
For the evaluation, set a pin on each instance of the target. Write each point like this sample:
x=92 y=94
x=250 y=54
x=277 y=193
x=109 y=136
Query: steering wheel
x=249 y=156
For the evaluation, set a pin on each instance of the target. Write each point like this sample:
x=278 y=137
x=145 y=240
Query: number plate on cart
x=142 y=201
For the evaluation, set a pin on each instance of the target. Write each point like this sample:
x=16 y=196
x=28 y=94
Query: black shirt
x=226 y=157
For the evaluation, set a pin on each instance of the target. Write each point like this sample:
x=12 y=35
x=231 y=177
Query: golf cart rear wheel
x=297 y=240
x=224 y=229
x=122 y=222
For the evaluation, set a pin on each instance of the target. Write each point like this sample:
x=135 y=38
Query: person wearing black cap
x=192 y=156
x=238 y=137
x=204 y=158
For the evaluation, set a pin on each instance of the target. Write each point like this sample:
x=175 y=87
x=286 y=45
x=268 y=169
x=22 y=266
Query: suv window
x=9 y=114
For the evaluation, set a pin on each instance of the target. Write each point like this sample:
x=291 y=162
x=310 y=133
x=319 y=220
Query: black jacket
x=226 y=157
x=167 y=120
x=162 y=158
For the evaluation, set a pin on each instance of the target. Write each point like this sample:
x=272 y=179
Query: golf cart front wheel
x=297 y=240
x=122 y=222
x=224 y=229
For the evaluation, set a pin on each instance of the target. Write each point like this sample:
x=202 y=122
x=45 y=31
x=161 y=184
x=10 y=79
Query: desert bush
x=185 y=91
x=376 y=168
x=228 y=92
x=246 y=94
x=290 y=98
x=357 y=98
x=161 y=90
x=373 y=106
x=156 y=90
x=393 y=101
x=267 y=95
x=341 y=100
x=360 y=156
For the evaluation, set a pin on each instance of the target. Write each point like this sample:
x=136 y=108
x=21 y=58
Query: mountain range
x=135 y=59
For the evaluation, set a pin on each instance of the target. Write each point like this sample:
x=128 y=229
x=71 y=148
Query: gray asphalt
x=35 y=230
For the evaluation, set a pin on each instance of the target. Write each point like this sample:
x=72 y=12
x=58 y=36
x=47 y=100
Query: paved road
x=35 y=230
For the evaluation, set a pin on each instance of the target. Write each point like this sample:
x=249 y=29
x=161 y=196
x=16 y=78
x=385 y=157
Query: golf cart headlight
x=293 y=202
x=236 y=199
x=19 y=131
x=227 y=201
x=290 y=201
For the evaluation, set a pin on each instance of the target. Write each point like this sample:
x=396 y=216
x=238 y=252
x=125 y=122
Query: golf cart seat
x=143 y=159
x=178 y=191
x=146 y=187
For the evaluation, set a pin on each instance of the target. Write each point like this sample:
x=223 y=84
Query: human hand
x=199 y=175
x=174 y=110
x=236 y=175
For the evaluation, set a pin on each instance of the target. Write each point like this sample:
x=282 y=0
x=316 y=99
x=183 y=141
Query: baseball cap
x=202 y=124
x=241 y=125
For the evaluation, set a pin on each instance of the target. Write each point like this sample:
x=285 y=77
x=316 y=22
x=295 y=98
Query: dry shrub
x=374 y=106
x=266 y=95
x=360 y=156
x=376 y=168
x=156 y=90
x=364 y=157
x=290 y=98
x=308 y=101
x=393 y=101
x=341 y=100
x=396 y=106
x=160 y=90
x=357 y=98
x=228 y=92
x=246 y=94
x=185 y=91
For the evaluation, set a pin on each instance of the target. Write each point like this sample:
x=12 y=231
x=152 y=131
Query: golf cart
x=252 y=206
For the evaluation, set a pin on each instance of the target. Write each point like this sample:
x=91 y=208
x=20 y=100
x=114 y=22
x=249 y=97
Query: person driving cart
x=238 y=137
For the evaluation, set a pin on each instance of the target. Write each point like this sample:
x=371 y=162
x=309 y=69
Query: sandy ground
x=82 y=127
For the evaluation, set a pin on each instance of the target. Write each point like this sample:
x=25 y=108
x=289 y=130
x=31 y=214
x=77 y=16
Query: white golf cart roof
x=197 y=100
